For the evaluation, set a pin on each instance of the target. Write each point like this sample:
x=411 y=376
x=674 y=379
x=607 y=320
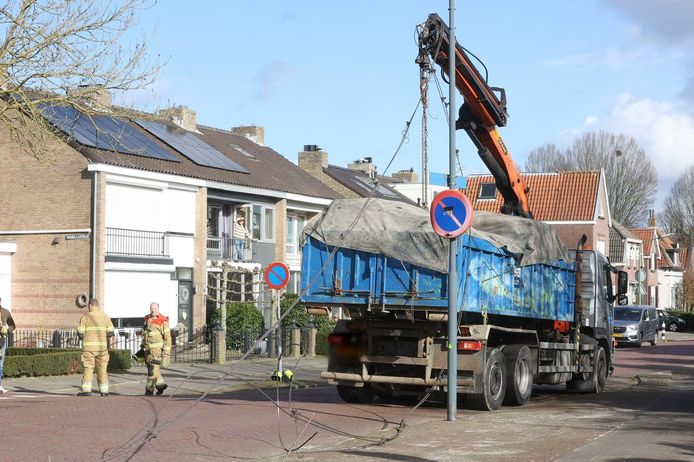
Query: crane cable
x=424 y=71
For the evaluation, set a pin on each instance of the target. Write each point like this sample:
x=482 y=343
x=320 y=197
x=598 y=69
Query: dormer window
x=487 y=191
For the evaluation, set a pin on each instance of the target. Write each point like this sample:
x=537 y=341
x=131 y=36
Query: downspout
x=95 y=190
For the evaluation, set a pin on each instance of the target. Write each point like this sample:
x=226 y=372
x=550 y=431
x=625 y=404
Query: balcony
x=132 y=242
x=226 y=248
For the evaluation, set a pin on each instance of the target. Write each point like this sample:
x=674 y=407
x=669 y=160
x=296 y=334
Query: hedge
x=56 y=361
x=322 y=341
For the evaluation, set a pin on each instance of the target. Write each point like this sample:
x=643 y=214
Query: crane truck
x=527 y=313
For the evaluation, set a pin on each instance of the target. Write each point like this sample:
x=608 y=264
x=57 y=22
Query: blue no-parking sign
x=451 y=213
x=277 y=275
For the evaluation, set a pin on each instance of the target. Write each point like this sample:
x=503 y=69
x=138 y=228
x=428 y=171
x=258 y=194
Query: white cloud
x=663 y=129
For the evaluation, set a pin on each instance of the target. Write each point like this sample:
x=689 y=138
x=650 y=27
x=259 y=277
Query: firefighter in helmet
x=156 y=342
x=95 y=329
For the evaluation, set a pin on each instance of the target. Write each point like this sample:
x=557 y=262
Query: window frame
x=258 y=222
x=481 y=194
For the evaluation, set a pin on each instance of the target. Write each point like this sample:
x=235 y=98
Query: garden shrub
x=56 y=361
x=244 y=322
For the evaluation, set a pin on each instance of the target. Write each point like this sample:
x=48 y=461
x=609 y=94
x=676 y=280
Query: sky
x=342 y=75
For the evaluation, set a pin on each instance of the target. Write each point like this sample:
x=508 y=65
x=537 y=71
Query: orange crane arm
x=480 y=114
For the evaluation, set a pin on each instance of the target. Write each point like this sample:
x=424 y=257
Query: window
x=214 y=214
x=262 y=224
x=243 y=151
x=295 y=226
x=294 y=284
x=487 y=191
x=269 y=225
x=601 y=247
x=601 y=214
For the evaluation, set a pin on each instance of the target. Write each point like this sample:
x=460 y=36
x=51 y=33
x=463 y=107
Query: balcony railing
x=136 y=242
x=226 y=248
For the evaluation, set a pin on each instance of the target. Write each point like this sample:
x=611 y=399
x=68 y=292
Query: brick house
x=626 y=253
x=145 y=218
x=663 y=262
x=574 y=203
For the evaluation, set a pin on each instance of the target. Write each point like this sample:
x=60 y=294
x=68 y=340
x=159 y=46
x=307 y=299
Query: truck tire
x=519 y=375
x=595 y=382
x=362 y=395
x=493 y=383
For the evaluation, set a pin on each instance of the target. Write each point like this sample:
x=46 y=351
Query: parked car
x=672 y=323
x=634 y=324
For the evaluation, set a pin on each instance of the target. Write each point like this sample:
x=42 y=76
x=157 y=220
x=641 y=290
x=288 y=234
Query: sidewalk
x=183 y=379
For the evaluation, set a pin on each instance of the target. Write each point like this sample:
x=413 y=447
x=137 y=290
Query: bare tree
x=546 y=158
x=630 y=176
x=678 y=213
x=51 y=48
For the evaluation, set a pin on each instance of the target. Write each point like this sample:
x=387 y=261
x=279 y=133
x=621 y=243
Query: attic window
x=243 y=151
x=487 y=191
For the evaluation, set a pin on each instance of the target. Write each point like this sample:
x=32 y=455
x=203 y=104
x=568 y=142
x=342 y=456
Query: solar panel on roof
x=191 y=146
x=104 y=132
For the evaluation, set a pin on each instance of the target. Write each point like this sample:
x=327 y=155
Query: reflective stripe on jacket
x=95 y=327
x=156 y=334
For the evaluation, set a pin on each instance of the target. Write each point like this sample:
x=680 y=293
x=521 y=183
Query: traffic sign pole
x=277 y=277
x=452 y=273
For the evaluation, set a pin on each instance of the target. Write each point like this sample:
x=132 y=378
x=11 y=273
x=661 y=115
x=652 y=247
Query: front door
x=185 y=305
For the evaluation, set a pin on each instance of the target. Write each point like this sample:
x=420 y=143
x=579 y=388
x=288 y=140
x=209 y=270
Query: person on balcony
x=6 y=327
x=240 y=235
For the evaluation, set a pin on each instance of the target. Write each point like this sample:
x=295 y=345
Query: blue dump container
x=489 y=281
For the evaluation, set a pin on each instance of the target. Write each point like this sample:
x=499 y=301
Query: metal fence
x=186 y=347
x=227 y=248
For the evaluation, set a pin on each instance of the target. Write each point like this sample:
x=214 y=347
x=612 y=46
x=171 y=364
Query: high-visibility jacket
x=94 y=329
x=156 y=335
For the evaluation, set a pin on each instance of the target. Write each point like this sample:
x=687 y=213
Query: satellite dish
x=640 y=275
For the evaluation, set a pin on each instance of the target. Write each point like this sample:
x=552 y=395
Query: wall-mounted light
x=56 y=241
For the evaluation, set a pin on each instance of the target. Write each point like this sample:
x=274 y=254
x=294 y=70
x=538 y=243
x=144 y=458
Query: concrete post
x=311 y=341
x=219 y=344
x=295 y=341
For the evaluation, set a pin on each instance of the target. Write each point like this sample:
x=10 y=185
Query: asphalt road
x=647 y=413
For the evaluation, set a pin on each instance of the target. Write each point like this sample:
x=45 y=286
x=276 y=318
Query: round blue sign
x=451 y=213
x=277 y=275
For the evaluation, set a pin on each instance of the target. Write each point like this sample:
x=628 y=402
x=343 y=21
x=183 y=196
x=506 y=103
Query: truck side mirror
x=622 y=283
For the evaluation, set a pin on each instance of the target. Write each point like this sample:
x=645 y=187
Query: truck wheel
x=519 y=375
x=595 y=381
x=493 y=383
x=600 y=371
x=362 y=395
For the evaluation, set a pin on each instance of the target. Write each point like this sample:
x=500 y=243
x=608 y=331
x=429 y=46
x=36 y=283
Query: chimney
x=313 y=159
x=254 y=133
x=407 y=176
x=181 y=116
x=364 y=165
x=651 y=218
x=95 y=96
